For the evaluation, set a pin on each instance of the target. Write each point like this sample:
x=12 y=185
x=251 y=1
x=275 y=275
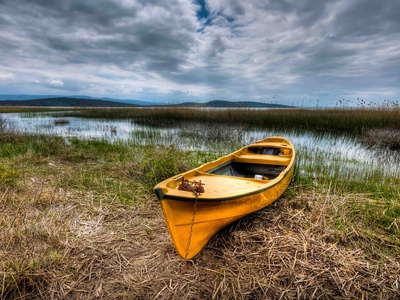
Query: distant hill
x=81 y=97
x=26 y=97
x=238 y=104
x=91 y=102
x=65 y=102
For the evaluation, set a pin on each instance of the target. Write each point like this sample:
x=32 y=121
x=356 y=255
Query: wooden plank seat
x=263 y=159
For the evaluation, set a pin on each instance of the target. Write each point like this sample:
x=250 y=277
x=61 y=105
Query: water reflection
x=70 y=126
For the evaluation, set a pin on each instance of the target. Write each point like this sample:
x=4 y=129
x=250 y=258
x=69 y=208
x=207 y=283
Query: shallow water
x=70 y=126
x=342 y=154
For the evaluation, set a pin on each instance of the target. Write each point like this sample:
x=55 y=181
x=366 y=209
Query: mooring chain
x=183 y=269
x=196 y=194
x=196 y=187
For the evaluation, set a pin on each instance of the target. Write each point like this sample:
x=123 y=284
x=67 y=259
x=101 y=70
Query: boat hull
x=203 y=222
x=235 y=185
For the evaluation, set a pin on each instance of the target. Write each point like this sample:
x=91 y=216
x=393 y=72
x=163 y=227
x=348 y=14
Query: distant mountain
x=129 y=101
x=65 y=102
x=238 y=104
x=40 y=97
x=85 y=101
x=25 y=97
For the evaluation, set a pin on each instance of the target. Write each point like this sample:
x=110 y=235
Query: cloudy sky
x=285 y=51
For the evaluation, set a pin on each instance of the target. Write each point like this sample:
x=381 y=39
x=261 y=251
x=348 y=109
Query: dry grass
x=64 y=243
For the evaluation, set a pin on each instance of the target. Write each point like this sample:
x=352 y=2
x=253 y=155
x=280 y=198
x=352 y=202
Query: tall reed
x=348 y=121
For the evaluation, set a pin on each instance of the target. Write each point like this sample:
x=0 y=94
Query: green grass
x=8 y=176
x=123 y=169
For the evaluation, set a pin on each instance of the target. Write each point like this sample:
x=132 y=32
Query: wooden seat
x=263 y=159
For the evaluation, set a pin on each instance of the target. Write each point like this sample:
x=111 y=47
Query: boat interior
x=258 y=163
x=267 y=160
x=248 y=170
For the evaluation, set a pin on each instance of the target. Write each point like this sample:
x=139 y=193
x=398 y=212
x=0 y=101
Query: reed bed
x=30 y=109
x=382 y=138
x=372 y=126
x=344 y=120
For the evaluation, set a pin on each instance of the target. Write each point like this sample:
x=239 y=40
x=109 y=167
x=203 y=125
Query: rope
x=196 y=187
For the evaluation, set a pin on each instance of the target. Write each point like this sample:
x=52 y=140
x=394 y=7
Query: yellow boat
x=200 y=202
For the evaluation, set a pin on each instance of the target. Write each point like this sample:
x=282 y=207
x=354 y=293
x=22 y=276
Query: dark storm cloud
x=222 y=48
x=94 y=28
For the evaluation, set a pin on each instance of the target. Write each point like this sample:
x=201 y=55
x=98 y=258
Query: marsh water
x=336 y=154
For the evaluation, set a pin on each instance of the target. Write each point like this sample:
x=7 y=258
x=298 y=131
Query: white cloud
x=55 y=82
x=7 y=76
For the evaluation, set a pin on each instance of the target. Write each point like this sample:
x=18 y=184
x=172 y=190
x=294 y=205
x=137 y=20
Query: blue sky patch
x=202 y=13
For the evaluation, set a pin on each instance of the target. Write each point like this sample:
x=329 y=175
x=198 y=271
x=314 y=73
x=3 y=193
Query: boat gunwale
x=191 y=198
x=200 y=198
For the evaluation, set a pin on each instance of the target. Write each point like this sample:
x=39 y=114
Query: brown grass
x=383 y=138
x=62 y=243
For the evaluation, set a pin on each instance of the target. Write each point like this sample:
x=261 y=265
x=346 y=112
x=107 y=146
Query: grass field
x=79 y=220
